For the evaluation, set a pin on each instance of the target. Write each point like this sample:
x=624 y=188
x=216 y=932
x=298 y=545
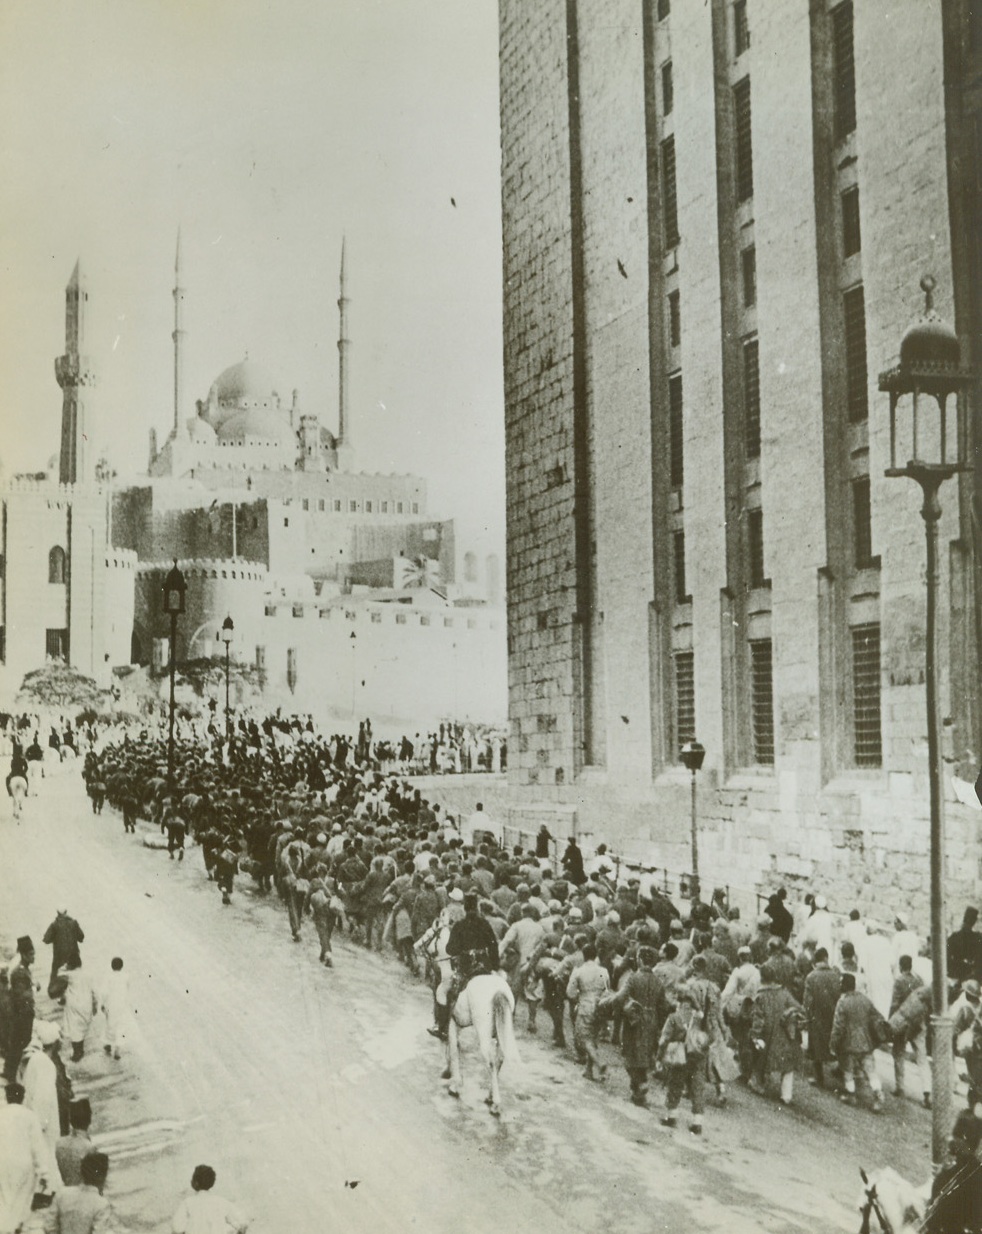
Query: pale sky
x=267 y=130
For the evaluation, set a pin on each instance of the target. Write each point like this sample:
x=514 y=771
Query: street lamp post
x=227 y=628
x=692 y=755
x=930 y=365
x=175 y=590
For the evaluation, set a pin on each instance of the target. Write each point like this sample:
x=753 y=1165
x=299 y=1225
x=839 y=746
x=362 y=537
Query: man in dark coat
x=21 y=1024
x=782 y=923
x=573 y=863
x=956 y=1195
x=776 y=1022
x=965 y=950
x=63 y=936
x=823 y=985
x=857 y=1027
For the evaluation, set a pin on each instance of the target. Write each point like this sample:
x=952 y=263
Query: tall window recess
x=741 y=28
x=857 y=382
x=56 y=565
x=762 y=701
x=843 y=70
x=866 y=719
x=755 y=548
x=670 y=207
x=852 y=240
x=667 y=88
x=751 y=398
x=675 y=448
x=56 y=644
x=748 y=265
x=743 y=142
x=862 y=524
x=685 y=696
x=674 y=319
x=678 y=552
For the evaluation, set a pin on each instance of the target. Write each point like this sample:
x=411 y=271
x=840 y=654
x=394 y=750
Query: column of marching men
x=692 y=996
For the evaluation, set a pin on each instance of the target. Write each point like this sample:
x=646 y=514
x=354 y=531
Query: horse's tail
x=504 y=1027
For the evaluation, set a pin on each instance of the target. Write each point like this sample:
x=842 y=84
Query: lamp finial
x=928 y=285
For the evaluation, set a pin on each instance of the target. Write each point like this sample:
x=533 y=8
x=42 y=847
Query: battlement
x=53 y=488
x=121 y=559
x=236 y=568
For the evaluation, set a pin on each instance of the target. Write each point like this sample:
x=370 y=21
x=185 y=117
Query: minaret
x=344 y=343
x=178 y=337
x=74 y=375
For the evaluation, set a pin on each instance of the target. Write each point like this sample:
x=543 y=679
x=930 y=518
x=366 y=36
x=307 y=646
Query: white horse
x=897 y=1205
x=486 y=1004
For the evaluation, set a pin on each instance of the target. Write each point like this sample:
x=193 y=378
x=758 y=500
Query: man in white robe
x=26 y=1164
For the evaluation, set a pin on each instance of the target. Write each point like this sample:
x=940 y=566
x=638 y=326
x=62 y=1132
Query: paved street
x=296 y=1082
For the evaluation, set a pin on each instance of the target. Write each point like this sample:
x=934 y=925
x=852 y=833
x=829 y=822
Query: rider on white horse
x=473 y=947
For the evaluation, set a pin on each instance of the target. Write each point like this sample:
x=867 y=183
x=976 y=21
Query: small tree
x=61 y=687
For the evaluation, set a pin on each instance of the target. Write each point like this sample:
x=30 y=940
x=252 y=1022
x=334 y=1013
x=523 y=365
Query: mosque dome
x=245 y=384
x=255 y=426
x=929 y=341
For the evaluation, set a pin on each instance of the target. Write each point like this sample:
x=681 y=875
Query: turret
x=344 y=345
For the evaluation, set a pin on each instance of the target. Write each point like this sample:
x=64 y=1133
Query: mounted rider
x=473 y=949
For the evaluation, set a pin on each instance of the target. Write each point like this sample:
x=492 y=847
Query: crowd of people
x=691 y=995
x=48 y=1160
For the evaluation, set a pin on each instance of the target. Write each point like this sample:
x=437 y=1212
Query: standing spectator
x=823 y=985
x=226 y=865
x=904 y=941
x=63 y=935
x=803 y=910
x=542 y=842
x=877 y=966
x=41 y=1080
x=817 y=930
x=72 y=1148
x=83 y=1209
x=683 y=1049
x=25 y=1160
x=573 y=863
x=782 y=923
x=967 y=1030
x=203 y=1212
x=760 y=943
x=116 y=1007
x=21 y=1025
x=857 y=1027
x=956 y=1194
x=775 y=1031
x=854 y=931
x=587 y=985
x=965 y=950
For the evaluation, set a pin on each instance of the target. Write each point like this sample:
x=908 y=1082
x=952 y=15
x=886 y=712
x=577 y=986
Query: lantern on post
x=692 y=754
x=227 y=628
x=934 y=442
x=175 y=591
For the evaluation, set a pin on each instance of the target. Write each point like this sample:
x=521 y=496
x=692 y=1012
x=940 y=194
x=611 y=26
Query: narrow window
x=748 y=262
x=352 y=507
x=260 y=659
x=685 y=696
x=675 y=430
x=368 y=507
x=306 y=503
x=674 y=319
x=741 y=30
x=743 y=143
x=852 y=240
x=667 y=91
x=415 y=507
x=670 y=206
x=762 y=701
x=320 y=504
x=751 y=398
x=862 y=525
x=867 y=736
x=678 y=551
x=857 y=392
x=56 y=565
x=843 y=70
x=337 y=506
x=385 y=507
x=56 y=644
x=398 y=507
x=755 y=547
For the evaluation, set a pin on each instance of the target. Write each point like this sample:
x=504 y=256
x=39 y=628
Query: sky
x=266 y=131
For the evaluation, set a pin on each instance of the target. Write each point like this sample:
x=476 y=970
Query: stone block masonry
x=610 y=114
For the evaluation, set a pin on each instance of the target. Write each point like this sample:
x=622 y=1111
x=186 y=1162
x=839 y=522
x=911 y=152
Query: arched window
x=56 y=565
x=470 y=567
